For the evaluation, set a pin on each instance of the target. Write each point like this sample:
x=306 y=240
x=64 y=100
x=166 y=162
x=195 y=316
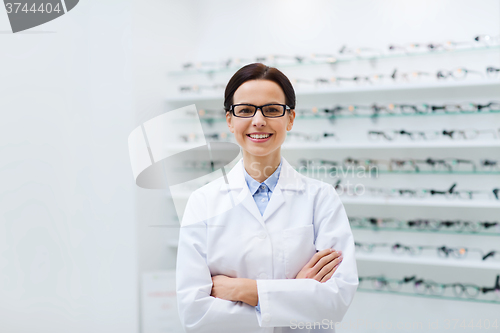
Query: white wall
x=164 y=35
x=68 y=258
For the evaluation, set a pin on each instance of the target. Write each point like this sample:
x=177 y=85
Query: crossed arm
x=320 y=268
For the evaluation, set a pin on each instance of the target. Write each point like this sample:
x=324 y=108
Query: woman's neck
x=261 y=167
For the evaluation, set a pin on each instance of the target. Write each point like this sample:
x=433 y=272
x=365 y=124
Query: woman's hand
x=235 y=289
x=224 y=287
x=321 y=266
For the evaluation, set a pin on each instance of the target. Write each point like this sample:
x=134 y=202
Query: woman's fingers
x=331 y=267
x=329 y=275
x=323 y=262
x=317 y=263
x=315 y=258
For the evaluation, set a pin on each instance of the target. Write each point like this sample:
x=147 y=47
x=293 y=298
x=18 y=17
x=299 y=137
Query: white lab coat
x=302 y=216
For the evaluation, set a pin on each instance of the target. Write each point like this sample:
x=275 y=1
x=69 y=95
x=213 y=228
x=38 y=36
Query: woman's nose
x=259 y=119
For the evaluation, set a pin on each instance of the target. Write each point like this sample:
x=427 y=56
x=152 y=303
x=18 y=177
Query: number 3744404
x=20 y=7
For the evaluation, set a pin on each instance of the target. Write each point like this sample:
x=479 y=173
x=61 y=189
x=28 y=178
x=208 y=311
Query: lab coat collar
x=289 y=180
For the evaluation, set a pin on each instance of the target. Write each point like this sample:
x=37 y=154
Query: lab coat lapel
x=274 y=203
x=289 y=180
x=239 y=189
x=251 y=206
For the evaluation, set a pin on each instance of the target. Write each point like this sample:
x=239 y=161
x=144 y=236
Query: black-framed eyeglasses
x=457 y=74
x=492 y=72
x=249 y=110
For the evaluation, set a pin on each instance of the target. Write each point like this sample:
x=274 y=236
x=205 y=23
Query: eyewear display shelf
x=424 y=231
x=212 y=119
x=338 y=59
x=469 y=89
x=304 y=146
x=449 y=298
x=334 y=89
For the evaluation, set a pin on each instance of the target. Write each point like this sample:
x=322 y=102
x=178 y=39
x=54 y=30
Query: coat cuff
x=263 y=315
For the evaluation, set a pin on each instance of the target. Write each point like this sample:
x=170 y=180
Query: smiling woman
x=283 y=252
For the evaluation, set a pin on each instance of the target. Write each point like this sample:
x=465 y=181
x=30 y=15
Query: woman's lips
x=259 y=140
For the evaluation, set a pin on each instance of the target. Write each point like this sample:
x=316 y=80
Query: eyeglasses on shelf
x=391 y=135
x=366 y=163
x=360 y=51
x=301 y=136
x=192 y=137
x=345 y=52
x=469 y=133
x=466 y=107
x=427 y=286
x=455 y=134
x=492 y=72
x=374 y=110
x=204 y=165
x=199 y=88
x=318 y=163
x=415 y=250
x=457 y=74
x=448 y=164
x=450 y=193
x=434 y=225
x=430 y=164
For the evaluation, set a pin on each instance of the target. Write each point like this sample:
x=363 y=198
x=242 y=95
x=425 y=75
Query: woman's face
x=260 y=92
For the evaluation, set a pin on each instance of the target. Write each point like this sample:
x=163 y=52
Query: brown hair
x=258 y=71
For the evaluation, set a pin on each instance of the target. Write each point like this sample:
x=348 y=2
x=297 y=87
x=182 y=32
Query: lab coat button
x=266 y=317
x=262 y=235
x=262 y=276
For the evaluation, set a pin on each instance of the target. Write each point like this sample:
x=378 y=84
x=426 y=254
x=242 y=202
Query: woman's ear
x=229 y=121
x=291 y=118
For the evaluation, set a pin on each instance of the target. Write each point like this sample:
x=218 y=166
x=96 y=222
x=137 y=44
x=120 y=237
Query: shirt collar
x=271 y=181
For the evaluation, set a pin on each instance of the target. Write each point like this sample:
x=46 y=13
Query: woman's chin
x=259 y=151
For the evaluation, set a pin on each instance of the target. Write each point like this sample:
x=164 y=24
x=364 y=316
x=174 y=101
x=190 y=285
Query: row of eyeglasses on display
x=229 y=137
x=374 y=165
x=421 y=286
x=359 y=190
x=442 y=251
x=434 y=225
x=460 y=73
x=395 y=76
x=415 y=135
x=346 y=52
x=372 y=135
x=448 y=164
x=375 y=109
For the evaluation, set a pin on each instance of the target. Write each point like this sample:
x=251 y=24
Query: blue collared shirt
x=262 y=192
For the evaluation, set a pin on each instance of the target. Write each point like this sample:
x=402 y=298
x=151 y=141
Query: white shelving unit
x=370 y=145
x=427 y=260
x=421 y=202
x=333 y=89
